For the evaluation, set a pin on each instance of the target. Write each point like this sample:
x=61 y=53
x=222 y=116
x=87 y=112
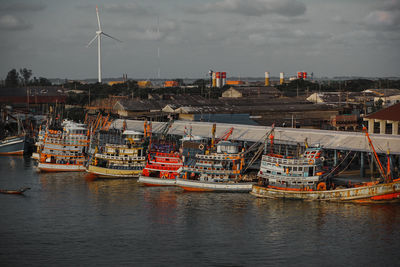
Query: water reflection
x=161 y=204
x=118 y=222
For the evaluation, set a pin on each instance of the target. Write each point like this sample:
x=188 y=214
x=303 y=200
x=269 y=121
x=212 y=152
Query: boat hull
x=52 y=167
x=12 y=148
x=191 y=185
x=112 y=173
x=378 y=193
x=14 y=192
x=153 y=181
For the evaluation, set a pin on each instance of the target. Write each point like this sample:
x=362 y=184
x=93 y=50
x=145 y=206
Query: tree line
x=23 y=77
x=301 y=87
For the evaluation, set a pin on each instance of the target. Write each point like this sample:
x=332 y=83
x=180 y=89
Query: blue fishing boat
x=13 y=145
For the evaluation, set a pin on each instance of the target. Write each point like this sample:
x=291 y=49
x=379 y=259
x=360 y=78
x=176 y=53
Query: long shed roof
x=353 y=141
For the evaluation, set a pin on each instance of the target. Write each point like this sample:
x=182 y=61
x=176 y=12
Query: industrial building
x=387 y=120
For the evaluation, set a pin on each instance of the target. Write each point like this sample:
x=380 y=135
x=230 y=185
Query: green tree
x=25 y=75
x=44 y=81
x=12 y=78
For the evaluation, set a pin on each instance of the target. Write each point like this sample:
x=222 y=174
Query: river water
x=67 y=219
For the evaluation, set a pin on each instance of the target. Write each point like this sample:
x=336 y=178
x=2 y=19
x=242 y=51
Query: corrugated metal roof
x=354 y=141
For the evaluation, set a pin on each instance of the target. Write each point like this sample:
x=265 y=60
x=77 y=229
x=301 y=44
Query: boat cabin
x=227 y=147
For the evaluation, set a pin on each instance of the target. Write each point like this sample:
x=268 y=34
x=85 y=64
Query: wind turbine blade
x=98 y=18
x=111 y=37
x=92 y=41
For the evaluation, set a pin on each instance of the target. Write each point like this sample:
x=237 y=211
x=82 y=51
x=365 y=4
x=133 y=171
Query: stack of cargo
x=171 y=84
x=144 y=84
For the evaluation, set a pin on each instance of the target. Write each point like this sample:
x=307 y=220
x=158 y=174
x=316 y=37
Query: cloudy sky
x=241 y=37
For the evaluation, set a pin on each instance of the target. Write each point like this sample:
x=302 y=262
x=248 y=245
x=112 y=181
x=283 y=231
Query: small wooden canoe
x=15 y=192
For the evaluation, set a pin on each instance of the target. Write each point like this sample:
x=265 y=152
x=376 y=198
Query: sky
x=245 y=38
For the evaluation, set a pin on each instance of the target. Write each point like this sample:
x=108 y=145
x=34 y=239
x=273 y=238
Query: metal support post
x=362 y=170
x=335 y=157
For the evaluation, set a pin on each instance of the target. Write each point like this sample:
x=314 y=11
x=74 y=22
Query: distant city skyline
x=242 y=37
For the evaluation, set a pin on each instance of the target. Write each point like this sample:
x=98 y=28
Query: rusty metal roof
x=391 y=113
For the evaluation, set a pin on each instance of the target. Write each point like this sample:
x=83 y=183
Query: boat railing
x=165 y=162
x=75 y=155
x=285 y=177
x=166 y=155
x=218 y=156
x=286 y=161
x=105 y=156
x=163 y=168
x=65 y=142
x=211 y=170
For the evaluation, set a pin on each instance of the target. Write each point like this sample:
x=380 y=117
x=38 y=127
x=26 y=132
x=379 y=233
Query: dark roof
x=139 y=105
x=391 y=113
x=33 y=91
x=256 y=90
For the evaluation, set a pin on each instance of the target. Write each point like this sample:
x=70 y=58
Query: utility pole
x=27 y=93
x=292 y=121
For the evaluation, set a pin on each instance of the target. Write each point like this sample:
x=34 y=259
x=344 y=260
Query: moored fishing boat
x=163 y=162
x=64 y=148
x=38 y=144
x=124 y=159
x=220 y=171
x=13 y=145
x=303 y=178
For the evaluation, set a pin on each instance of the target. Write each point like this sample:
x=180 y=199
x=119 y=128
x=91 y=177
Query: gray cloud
x=131 y=8
x=22 y=7
x=288 y=8
x=12 y=23
x=384 y=17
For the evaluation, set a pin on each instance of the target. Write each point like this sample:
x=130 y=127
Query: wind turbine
x=98 y=35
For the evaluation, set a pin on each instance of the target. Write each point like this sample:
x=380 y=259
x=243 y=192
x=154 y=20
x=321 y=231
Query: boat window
x=311 y=171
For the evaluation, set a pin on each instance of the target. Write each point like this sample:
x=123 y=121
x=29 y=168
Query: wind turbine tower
x=158 y=49
x=98 y=35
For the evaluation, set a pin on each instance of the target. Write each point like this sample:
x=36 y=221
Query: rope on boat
x=348 y=164
x=261 y=140
x=260 y=148
x=337 y=166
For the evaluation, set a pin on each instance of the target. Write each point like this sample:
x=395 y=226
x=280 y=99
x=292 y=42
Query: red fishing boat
x=163 y=163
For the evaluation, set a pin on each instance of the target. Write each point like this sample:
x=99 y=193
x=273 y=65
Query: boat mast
x=381 y=170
